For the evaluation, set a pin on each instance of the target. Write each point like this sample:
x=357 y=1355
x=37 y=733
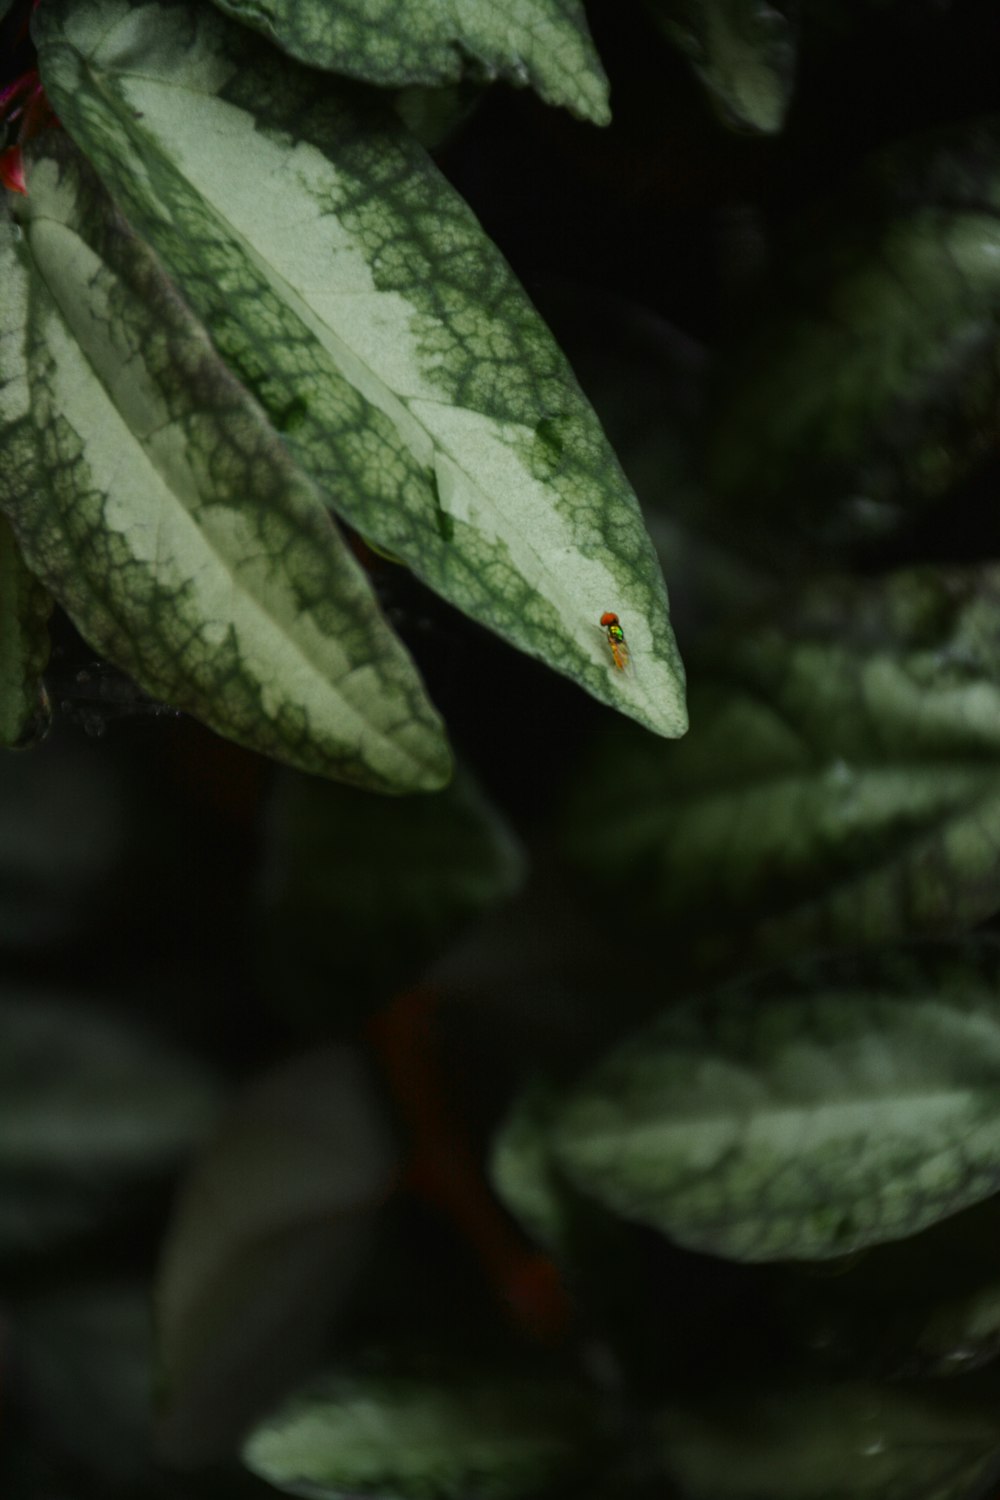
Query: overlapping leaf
x=544 y=43
x=744 y=51
x=354 y=293
x=24 y=645
x=818 y=1109
x=841 y=786
x=867 y=385
x=151 y=496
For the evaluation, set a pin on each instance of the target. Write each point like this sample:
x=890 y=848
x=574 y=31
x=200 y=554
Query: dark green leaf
x=744 y=52
x=343 y=867
x=841 y=786
x=24 y=647
x=833 y=1442
x=87 y=1109
x=267 y=1239
x=544 y=43
x=150 y=495
x=868 y=384
x=447 y=1438
x=805 y=1114
x=351 y=289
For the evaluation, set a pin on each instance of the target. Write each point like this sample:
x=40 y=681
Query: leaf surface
x=743 y=51
x=354 y=293
x=151 y=496
x=267 y=1239
x=544 y=43
x=439 y=1438
x=818 y=1109
x=841 y=786
x=88 y=1108
x=865 y=384
x=850 y=1441
x=24 y=646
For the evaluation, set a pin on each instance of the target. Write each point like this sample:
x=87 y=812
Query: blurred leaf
x=81 y=1358
x=24 y=647
x=353 y=292
x=544 y=43
x=841 y=786
x=744 y=52
x=149 y=494
x=341 y=869
x=88 y=1108
x=867 y=384
x=267 y=1239
x=493 y=1436
x=803 y=1114
x=833 y=1442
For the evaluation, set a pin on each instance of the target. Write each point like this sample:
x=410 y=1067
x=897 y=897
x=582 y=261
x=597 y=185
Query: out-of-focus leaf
x=81 y=1362
x=804 y=1114
x=834 y=1442
x=544 y=43
x=149 y=494
x=353 y=292
x=744 y=52
x=267 y=1238
x=24 y=647
x=88 y=1109
x=841 y=786
x=868 y=384
x=343 y=868
x=469 y=1433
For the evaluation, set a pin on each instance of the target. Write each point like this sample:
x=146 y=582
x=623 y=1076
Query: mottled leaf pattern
x=354 y=293
x=804 y=1114
x=744 y=51
x=24 y=645
x=841 y=786
x=544 y=43
x=168 y=518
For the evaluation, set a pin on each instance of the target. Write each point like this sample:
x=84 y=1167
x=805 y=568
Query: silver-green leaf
x=544 y=43
x=841 y=786
x=442 y=1437
x=805 y=1114
x=166 y=515
x=348 y=286
x=24 y=646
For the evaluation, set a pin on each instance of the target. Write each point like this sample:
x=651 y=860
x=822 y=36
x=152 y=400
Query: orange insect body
x=616 y=639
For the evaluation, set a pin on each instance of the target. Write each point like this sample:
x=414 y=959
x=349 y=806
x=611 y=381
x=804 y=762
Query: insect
x=616 y=639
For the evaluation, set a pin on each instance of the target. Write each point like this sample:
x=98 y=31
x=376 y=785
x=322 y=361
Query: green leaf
x=841 y=786
x=342 y=868
x=164 y=513
x=435 y=1438
x=804 y=1114
x=744 y=52
x=848 y=1441
x=24 y=647
x=354 y=293
x=544 y=43
x=267 y=1239
x=866 y=384
x=88 y=1108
